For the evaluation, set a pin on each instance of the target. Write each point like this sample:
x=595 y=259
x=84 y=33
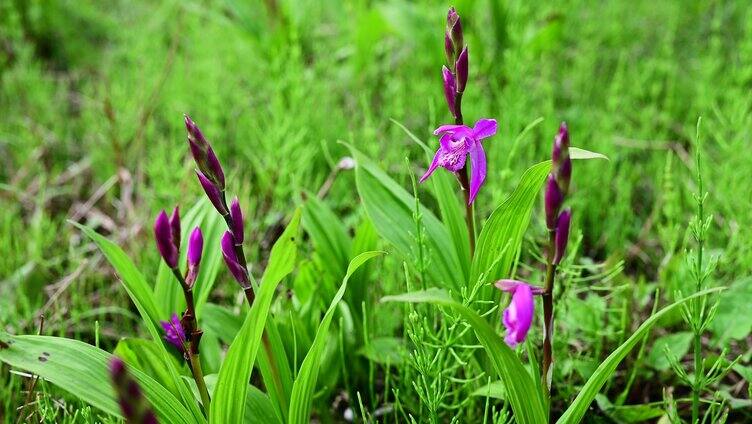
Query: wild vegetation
x=288 y=211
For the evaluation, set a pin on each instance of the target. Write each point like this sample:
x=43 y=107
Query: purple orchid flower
x=518 y=316
x=457 y=141
x=174 y=333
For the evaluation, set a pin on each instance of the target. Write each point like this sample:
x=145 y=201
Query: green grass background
x=92 y=95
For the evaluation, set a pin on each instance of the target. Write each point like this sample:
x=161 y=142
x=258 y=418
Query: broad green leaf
x=677 y=343
x=494 y=389
x=501 y=236
x=628 y=413
x=232 y=382
x=167 y=291
x=384 y=350
x=258 y=407
x=526 y=401
x=728 y=322
x=146 y=356
x=83 y=370
x=445 y=189
x=605 y=371
x=141 y=295
x=391 y=210
x=305 y=383
x=222 y=321
x=329 y=236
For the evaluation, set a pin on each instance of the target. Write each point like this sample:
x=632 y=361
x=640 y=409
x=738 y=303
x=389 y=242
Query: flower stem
x=548 y=321
x=198 y=376
x=464 y=180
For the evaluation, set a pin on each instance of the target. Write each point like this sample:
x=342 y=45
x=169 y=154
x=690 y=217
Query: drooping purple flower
x=165 y=243
x=174 y=332
x=236 y=214
x=518 y=316
x=133 y=404
x=231 y=259
x=212 y=192
x=450 y=89
x=462 y=70
x=552 y=201
x=562 y=234
x=456 y=142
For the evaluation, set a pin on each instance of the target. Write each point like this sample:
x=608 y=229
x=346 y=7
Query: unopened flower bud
x=462 y=70
x=553 y=200
x=231 y=259
x=165 y=244
x=237 y=221
x=204 y=156
x=561 y=161
x=450 y=89
x=449 y=48
x=195 y=248
x=212 y=192
x=562 y=234
x=175 y=227
x=133 y=404
x=454 y=30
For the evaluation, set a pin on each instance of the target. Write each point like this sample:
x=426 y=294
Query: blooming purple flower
x=518 y=316
x=450 y=89
x=462 y=70
x=174 y=333
x=212 y=192
x=456 y=142
x=236 y=214
x=133 y=404
x=163 y=231
x=562 y=234
x=231 y=259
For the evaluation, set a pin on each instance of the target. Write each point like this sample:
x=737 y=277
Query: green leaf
x=526 y=401
x=628 y=413
x=579 y=406
x=577 y=153
x=384 y=350
x=329 y=236
x=728 y=322
x=83 y=370
x=222 y=321
x=494 y=390
x=677 y=343
x=391 y=209
x=501 y=237
x=305 y=384
x=232 y=383
x=146 y=356
x=141 y=295
x=258 y=407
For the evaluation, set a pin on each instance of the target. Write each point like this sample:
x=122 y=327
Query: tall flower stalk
x=183 y=333
x=459 y=141
x=557 y=222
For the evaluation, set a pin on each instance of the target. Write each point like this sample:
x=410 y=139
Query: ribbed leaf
x=305 y=384
x=391 y=209
x=232 y=383
x=329 y=236
x=520 y=390
x=606 y=369
x=83 y=370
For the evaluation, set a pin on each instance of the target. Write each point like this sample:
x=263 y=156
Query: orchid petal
x=434 y=165
x=478 y=172
x=484 y=128
x=447 y=128
x=518 y=317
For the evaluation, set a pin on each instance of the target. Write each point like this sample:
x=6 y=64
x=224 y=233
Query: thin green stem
x=198 y=377
x=548 y=321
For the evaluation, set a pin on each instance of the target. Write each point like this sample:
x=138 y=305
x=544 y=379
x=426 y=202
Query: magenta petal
x=450 y=88
x=518 y=316
x=478 y=171
x=484 y=128
x=434 y=165
x=510 y=286
x=448 y=128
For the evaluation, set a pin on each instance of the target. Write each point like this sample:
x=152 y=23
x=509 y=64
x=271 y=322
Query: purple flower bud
x=450 y=88
x=133 y=405
x=564 y=175
x=175 y=227
x=518 y=316
x=231 y=259
x=194 y=134
x=174 y=332
x=454 y=29
x=195 y=247
x=165 y=244
x=213 y=193
x=462 y=70
x=562 y=234
x=449 y=48
x=215 y=169
x=553 y=200
x=237 y=221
